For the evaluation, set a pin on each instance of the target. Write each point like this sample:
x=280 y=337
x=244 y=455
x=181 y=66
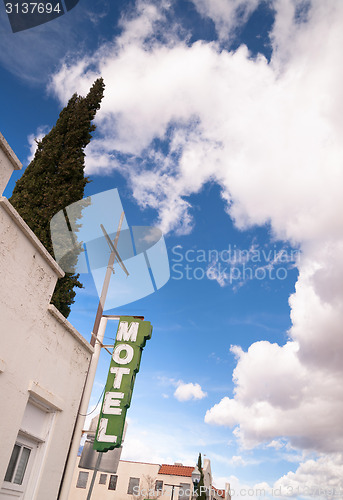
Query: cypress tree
x=55 y=178
x=200 y=485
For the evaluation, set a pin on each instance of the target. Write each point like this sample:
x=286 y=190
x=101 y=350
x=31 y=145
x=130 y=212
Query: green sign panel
x=131 y=337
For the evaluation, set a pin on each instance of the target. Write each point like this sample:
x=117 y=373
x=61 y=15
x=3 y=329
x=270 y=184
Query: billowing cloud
x=317 y=479
x=277 y=396
x=186 y=392
x=178 y=115
x=322 y=478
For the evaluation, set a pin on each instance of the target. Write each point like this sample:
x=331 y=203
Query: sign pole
x=75 y=443
x=97 y=334
x=105 y=285
x=96 y=468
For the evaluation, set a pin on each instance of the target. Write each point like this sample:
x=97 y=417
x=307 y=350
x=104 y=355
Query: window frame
x=79 y=482
x=19 y=466
x=130 y=490
x=23 y=442
x=161 y=482
x=115 y=482
x=103 y=479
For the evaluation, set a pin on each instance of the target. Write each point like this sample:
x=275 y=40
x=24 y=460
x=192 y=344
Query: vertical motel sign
x=132 y=335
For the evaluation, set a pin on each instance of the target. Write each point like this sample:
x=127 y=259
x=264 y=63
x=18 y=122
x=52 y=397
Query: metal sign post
x=109 y=271
x=97 y=465
x=96 y=341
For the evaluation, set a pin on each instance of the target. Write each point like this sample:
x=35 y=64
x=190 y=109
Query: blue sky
x=221 y=124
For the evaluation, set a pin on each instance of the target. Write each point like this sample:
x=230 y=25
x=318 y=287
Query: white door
x=18 y=469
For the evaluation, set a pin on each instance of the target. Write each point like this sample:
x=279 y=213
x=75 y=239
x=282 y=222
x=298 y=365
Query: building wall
x=148 y=475
x=43 y=359
x=185 y=482
x=206 y=468
x=143 y=471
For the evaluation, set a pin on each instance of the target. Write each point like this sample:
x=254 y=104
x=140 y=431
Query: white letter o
x=126 y=359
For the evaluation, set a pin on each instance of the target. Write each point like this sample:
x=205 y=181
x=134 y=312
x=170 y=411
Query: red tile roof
x=221 y=493
x=176 y=470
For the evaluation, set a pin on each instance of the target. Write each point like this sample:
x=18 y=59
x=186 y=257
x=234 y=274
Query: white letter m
x=126 y=333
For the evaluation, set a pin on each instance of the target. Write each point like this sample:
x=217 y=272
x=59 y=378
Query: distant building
x=43 y=360
x=140 y=481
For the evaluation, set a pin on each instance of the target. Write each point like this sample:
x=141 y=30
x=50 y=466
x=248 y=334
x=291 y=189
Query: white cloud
x=185 y=392
x=238 y=460
x=316 y=479
x=277 y=444
x=269 y=133
x=244 y=112
x=286 y=399
x=32 y=138
x=227 y=16
x=322 y=478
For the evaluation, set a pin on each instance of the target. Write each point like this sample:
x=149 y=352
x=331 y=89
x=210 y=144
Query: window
x=82 y=480
x=159 y=486
x=103 y=479
x=113 y=482
x=17 y=465
x=27 y=452
x=184 y=491
x=133 y=486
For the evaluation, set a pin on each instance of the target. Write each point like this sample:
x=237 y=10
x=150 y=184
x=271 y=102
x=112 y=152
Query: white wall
x=42 y=357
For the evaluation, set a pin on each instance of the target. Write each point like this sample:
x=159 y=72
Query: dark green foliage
x=55 y=178
x=202 y=495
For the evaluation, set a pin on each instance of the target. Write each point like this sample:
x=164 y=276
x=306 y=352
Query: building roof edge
x=16 y=164
x=11 y=211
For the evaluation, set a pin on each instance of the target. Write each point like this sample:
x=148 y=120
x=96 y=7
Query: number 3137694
x=32 y=8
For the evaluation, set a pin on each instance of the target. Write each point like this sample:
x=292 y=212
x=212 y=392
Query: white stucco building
x=140 y=481
x=43 y=360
